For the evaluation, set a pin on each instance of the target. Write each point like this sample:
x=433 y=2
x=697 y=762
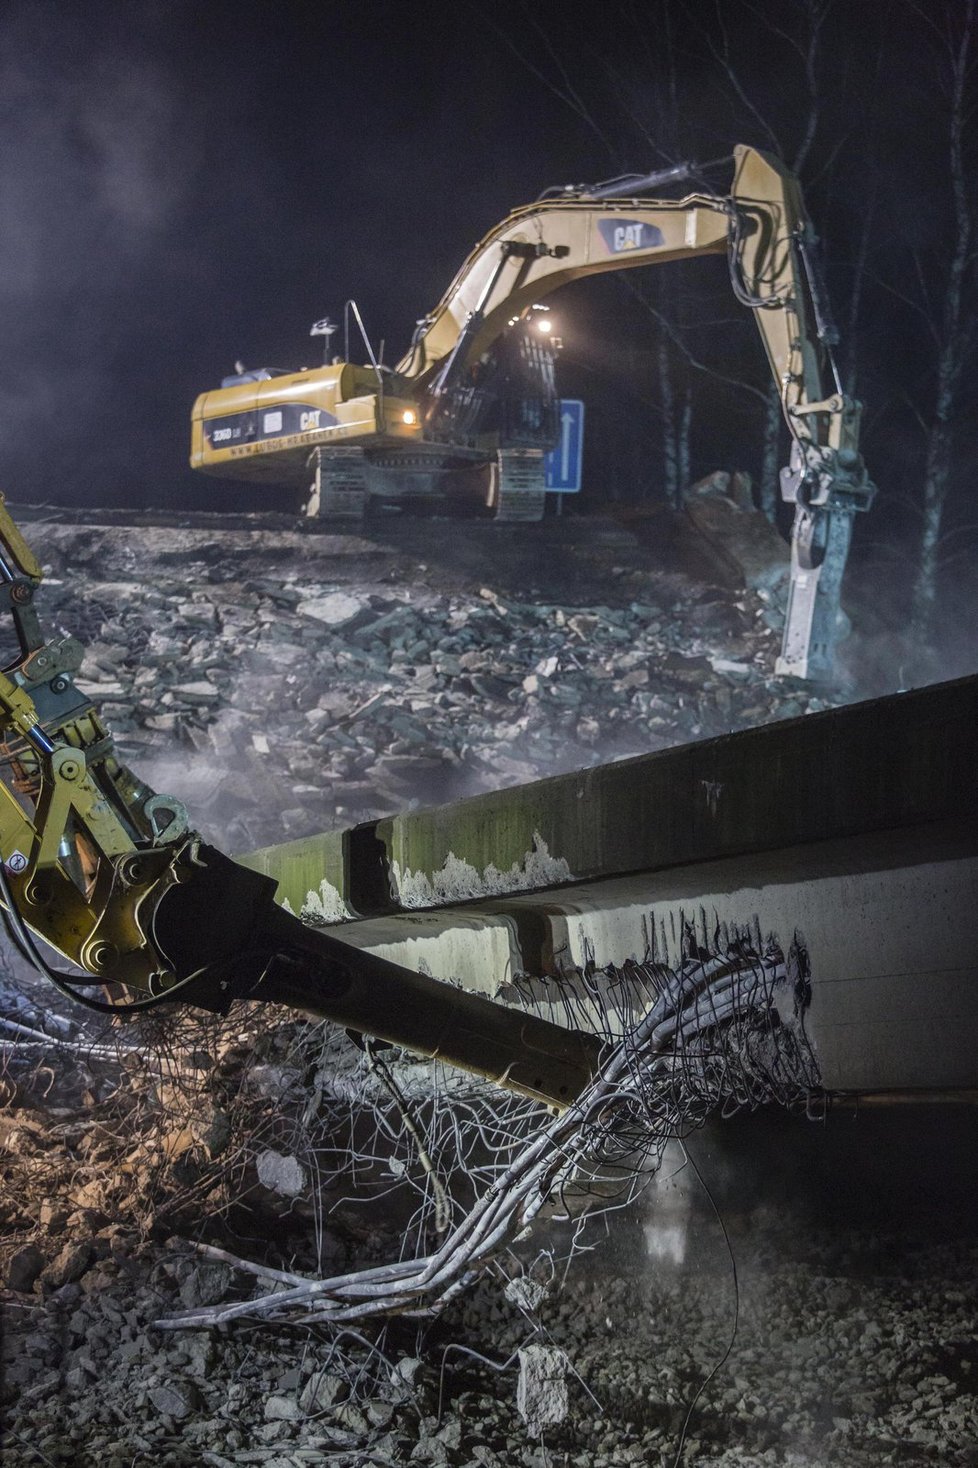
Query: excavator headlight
x=409 y=416
x=540 y=318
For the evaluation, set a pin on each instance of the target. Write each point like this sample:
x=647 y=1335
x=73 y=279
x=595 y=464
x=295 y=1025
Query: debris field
x=291 y=683
x=282 y=683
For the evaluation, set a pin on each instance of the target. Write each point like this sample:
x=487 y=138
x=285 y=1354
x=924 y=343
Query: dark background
x=186 y=184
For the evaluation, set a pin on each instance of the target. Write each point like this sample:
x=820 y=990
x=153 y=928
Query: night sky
x=183 y=185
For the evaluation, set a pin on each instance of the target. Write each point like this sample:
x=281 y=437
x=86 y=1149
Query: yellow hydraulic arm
x=764 y=231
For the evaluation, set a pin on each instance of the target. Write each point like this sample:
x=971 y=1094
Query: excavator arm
x=102 y=870
x=774 y=271
x=769 y=242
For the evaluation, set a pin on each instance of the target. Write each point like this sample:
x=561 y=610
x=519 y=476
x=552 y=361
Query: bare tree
x=948 y=311
x=650 y=114
x=798 y=29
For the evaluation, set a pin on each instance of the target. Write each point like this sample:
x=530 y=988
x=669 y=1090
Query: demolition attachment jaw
x=83 y=858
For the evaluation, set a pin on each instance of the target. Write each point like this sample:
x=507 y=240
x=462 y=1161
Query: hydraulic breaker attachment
x=828 y=487
x=258 y=950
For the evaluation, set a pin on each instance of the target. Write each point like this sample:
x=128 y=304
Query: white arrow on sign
x=567 y=424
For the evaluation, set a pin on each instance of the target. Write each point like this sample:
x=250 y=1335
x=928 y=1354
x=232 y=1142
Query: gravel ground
x=283 y=683
x=855 y=1346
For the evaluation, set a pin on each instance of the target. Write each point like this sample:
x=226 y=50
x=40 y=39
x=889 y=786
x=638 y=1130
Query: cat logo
x=622 y=235
x=628 y=237
x=309 y=420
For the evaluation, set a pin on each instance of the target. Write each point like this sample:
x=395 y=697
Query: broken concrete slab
x=740 y=537
x=281 y=1174
x=24 y=1268
x=541 y=1392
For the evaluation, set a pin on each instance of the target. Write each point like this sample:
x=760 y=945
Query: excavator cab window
x=510 y=394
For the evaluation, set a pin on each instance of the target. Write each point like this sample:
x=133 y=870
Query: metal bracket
x=168 y=818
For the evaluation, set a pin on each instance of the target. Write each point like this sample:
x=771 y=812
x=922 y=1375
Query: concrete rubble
x=283 y=1175
x=541 y=1392
x=856 y=1347
x=305 y=688
x=743 y=545
x=282 y=684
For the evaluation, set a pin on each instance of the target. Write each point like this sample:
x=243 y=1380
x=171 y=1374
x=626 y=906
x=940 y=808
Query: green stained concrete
x=899 y=762
x=301 y=867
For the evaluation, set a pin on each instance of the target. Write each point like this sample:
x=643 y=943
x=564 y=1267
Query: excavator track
x=517 y=490
x=339 y=489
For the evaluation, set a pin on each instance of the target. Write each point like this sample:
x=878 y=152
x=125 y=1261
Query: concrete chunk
x=335 y=609
x=541 y=1393
x=281 y=1174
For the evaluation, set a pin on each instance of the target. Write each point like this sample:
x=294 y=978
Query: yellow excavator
x=474 y=400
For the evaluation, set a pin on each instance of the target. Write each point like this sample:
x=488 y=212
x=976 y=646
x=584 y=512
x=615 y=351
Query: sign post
x=562 y=464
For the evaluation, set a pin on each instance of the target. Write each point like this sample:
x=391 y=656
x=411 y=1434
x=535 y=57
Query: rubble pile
x=283 y=683
x=293 y=694
x=854 y=1348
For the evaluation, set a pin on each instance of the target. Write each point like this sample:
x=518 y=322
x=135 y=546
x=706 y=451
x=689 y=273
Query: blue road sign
x=563 y=463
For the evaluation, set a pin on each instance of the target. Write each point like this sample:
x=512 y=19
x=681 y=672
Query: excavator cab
x=508 y=397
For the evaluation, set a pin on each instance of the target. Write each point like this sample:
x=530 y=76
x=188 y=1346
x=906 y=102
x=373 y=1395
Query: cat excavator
x=475 y=396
